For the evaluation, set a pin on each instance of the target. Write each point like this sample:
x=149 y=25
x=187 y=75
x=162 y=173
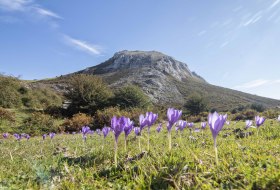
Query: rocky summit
x=153 y=71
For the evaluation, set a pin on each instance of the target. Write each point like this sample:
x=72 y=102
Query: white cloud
x=27 y=6
x=255 y=18
x=46 y=13
x=224 y=44
x=83 y=45
x=201 y=33
x=257 y=83
x=14 y=5
x=275 y=3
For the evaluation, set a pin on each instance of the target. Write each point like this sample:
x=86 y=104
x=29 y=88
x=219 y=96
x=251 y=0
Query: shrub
x=6 y=115
x=195 y=104
x=131 y=97
x=9 y=92
x=77 y=122
x=38 y=124
x=257 y=107
x=103 y=117
x=87 y=93
x=41 y=98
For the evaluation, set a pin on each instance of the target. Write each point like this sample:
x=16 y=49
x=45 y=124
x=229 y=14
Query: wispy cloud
x=201 y=33
x=27 y=6
x=83 y=45
x=224 y=44
x=255 y=18
x=257 y=83
x=14 y=5
x=46 y=13
x=274 y=4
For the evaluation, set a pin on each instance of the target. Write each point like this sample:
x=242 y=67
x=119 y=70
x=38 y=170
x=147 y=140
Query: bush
x=39 y=124
x=9 y=92
x=87 y=94
x=6 y=115
x=77 y=122
x=271 y=114
x=131 y=97
x=41 y=98
x=103 y=117
x=195 y=104
x=257 y=107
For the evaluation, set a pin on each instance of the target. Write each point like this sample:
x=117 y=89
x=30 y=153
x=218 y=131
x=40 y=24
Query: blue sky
x=233 y=44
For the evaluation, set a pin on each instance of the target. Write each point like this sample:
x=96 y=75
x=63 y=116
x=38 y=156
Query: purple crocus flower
x=117 y=126
x=44 y=136
x=196 y=130
x=98 y=131
x=203 y=125
x=17 y=136
x=190 y=125
x=85 y=130
x=216 y=123
x=181 y=124
x=105 y=131
x=128 y=127
x=27 y=136
x=151 y=119
x=142 y=121
x=173 y=116
x=52 y=135
x=158 y=129
x=248 y=124
x=259 y=121
x=5 y=135
x=136 y=131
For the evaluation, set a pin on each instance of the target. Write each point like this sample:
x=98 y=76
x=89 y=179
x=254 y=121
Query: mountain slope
x=166 y=81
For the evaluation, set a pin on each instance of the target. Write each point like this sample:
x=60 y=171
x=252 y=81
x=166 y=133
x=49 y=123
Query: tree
x=257 y=107
x=87 y=93
x=195 y=104
x=131 y=96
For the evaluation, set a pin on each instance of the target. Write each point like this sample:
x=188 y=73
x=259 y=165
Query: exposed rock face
x=153 y=71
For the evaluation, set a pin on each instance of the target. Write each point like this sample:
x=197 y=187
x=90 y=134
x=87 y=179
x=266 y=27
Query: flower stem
x=139 y=143
x=169 y=137
x=148 y=139
x=125 y=143
x=216 y=152
x=116 y=153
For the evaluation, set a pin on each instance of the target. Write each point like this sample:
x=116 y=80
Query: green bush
x=10 y=96
x=87 y=94
x=38 y=124
x=131 y=97
x=195 y=104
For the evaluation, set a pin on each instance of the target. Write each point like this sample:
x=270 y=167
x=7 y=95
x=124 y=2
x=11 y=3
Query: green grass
x=69 y=163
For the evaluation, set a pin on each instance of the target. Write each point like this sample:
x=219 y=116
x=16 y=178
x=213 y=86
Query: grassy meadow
x=247 y=160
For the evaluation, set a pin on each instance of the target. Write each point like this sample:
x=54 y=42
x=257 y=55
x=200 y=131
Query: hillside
x=165 y=80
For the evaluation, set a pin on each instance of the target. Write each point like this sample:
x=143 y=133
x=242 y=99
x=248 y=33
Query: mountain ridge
x=166 y=81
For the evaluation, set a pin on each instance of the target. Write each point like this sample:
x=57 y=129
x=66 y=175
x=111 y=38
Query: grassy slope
x=67 y=163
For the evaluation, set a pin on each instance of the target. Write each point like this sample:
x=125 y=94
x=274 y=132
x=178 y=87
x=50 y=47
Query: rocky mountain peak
x=145 y=60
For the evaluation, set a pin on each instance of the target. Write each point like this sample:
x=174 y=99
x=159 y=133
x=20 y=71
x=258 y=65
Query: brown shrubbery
x=77 y=122
x=6 y=115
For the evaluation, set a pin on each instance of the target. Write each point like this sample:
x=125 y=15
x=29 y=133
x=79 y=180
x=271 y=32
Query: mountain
x=165 y=80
